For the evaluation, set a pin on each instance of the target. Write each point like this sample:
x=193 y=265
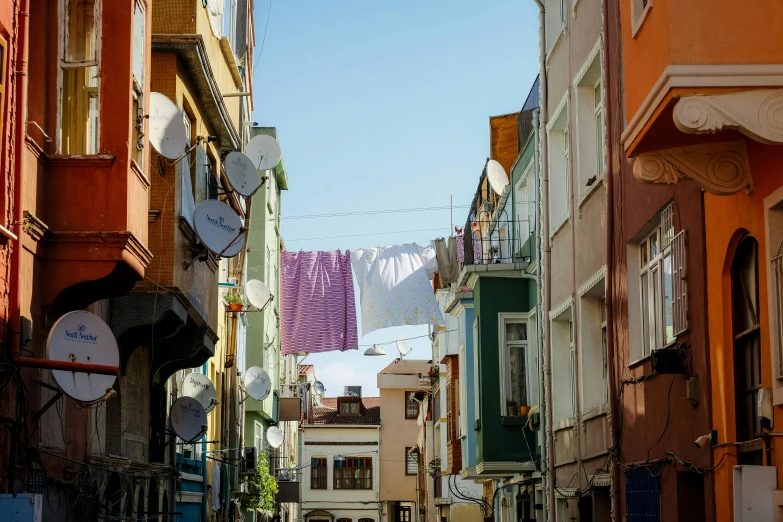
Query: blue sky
x=385 y=105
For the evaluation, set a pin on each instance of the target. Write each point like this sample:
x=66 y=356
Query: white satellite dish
x=496 y=174
x=188 y=419
x=257 y=293
x=274 y=436
x=264 y=152
x=199 y=387
x=241 y=174
x=167 y=128
x=219 y=228
x=257 y=383
x=318 y=387
x=403 y=348
x=83 y=337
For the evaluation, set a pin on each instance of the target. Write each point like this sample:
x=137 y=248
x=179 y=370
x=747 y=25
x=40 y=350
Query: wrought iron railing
x=282 y=469
x=288 y=391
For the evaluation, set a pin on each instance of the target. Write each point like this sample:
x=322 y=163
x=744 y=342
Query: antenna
x=318 y=387
x=257 y=384
x=258 y=294
x=241 y=174
x=188 y=419
x=167 y=128
x=83 y=337
x=199 y=387
x=274 y=436
x=264 y=152
x=403 y=348
x=219 y=228
x=497 y=176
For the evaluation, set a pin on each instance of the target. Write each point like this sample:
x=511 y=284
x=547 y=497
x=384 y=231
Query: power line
x=359 y=235
x=263 y=41
x=370 y=212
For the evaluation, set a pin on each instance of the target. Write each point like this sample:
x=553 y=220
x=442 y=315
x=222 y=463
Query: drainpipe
x=610 y=347
x=545 y=268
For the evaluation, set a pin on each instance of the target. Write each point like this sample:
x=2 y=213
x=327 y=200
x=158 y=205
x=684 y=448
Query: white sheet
x=394 y=286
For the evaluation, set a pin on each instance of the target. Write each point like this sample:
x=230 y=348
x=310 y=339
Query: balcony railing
x=291 y=391
x=282 y=469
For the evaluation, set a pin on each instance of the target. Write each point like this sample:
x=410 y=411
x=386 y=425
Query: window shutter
x=680 y=282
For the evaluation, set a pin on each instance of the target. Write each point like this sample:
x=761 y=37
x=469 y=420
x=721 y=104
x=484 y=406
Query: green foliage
x=233 y=299
x=261 y=487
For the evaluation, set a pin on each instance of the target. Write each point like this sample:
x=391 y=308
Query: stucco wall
x=397 y=433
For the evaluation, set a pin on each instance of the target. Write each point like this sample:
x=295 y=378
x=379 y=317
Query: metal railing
x=290 y=391
x=282 y=469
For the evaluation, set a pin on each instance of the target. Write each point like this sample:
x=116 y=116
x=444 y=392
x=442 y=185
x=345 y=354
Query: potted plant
x=524 y=410
x=235 y=302
x=513 y=410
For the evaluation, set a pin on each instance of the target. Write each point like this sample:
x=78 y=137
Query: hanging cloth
x=394 y=286
x=317 y=302
x=446 y=255
x=216 y=486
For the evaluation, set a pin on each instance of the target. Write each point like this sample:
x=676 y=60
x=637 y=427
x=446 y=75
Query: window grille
x=643 y=495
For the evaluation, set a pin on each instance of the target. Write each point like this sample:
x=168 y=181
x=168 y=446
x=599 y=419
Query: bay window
x=514 y=360
x=79 y=77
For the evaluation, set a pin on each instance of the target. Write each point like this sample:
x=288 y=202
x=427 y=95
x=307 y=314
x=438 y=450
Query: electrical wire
x=370 y=212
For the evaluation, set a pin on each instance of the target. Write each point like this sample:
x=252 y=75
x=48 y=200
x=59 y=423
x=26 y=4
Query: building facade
x=341 y=448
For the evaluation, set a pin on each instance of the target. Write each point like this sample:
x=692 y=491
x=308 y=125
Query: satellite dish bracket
x=242 y=230
x=200 y=254
x=223 y=192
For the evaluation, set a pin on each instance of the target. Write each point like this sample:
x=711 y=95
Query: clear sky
x=385 y=105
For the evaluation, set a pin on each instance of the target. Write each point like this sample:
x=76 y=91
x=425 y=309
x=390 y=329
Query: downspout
x=545 y=268
x=609 y=300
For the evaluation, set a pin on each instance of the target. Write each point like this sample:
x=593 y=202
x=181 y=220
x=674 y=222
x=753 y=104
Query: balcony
x=291 y=398
x=698 y=100
x=287 y=476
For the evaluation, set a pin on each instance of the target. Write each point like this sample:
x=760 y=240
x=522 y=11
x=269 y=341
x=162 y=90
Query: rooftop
x=327 y=413
x=408 y=367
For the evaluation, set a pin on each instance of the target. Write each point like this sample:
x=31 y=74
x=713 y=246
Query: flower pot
x=235 y=307
x=524 y=410
x=512 y=411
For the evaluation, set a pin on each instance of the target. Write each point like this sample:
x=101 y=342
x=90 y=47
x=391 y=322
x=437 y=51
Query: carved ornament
x=718 y=168
x=757 y=114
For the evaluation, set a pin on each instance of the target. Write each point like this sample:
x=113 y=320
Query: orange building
x=703 y=98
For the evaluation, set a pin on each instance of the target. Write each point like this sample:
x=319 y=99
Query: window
x=411 y=461
x=643 y=495
x=513 y=357
x=746 y=331
x=591 y=159
x=3 y=61
x=366 y=520
x=655 y=280
x=318 y=473
x=525 y=208
x=79 y=73
x=463 y=394
x=452 y=410
x=560 y=167
x=774 y=227
x=211 y=173
x=563 y=11
x=411 y=406
x=349 y=407
x=639 y=10
x=563 y=368
x=593 y=363
x=343 y=520
x=353 y=473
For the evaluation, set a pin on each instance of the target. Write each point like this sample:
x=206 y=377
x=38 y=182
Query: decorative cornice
x=718 y=168
x=567 y=303
x=590 y=283
x=124 y=240
x=96 y=160
x=762 y=76
x=757 y=114
x=34 y=227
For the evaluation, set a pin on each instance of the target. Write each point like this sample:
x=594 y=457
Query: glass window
x=411 y=461
x=349 y=408
x=80 y=31
x=353 y=473
x=318 y=473
x=411 y=406
x=138 y=47
x=514 y=360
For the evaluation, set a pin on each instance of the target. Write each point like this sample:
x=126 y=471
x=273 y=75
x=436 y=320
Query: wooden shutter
x=680 y=282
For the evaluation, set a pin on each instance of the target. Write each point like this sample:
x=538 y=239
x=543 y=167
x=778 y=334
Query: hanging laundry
x=318 y=307
x=460 y=248
x=216 y=491
x=394 y=286
x=446 y=255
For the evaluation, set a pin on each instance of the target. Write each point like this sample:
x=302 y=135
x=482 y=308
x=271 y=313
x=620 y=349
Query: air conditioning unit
x=353 y=391
x=22 y=507
x=249 y=459
x=754 y=488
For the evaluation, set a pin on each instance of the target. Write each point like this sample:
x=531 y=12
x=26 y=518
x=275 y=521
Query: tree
x=261 y=487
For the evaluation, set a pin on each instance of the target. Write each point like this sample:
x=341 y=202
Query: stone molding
x=758 y=114
x=718 y=168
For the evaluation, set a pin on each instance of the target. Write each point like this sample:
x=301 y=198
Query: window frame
x=411 y=402
x=463 y=392
x=639 y=11
x=504 y=354
x=319 y=482
x=408 y=456
x=560 y=166
x=367 y=480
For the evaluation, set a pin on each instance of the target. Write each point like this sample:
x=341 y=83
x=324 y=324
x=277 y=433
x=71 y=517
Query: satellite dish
x=257 y=383
x=167 y=128
x=257 y=293
x=241 y=174
x=497 y=176
x=274 y=436
x=83 y=337
x=318 y=387
x=199 y=387
x=219 y=228
x=403 y=348
x=188 y=419
x=264 y=152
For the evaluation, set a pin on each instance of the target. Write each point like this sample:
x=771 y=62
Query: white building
x=340 y=457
